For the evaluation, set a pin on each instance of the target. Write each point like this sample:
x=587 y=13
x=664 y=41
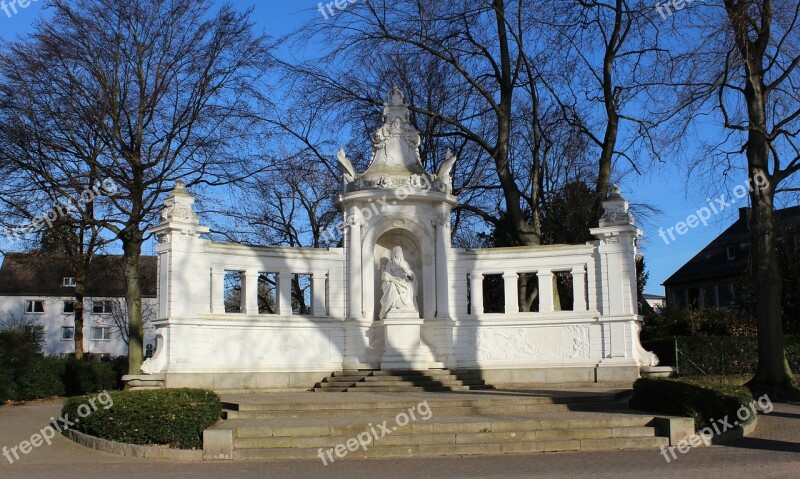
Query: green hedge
x=673 y=320
x=173 y=417
x=717 y=355
x=26 y=374
x=680 y=398
x=90 y=375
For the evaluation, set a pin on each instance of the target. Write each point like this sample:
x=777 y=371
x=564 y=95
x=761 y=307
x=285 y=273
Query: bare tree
x=118 y=317
x=17 y=321
x=141 y=92
x=744 y=70
x=612 y=64
x=476 y=62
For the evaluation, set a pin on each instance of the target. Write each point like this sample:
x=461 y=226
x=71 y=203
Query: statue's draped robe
x=399 y=292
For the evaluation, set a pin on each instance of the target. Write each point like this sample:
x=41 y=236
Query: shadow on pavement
x=764 y=444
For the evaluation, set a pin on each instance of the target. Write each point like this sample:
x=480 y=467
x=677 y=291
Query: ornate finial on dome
x=179 y=188
x=395 y=107
x=396 y=96
x=616 y=209
x=615 y=192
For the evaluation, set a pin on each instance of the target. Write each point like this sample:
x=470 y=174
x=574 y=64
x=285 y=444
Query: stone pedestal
x=403 y=342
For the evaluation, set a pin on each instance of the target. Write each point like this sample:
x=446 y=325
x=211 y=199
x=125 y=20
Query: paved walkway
x=772 y=452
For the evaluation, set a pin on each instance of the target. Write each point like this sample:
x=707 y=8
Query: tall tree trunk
x=773 y=375
x=773 y=370
x=133 y=295
x=522 y=231
x=80 y=290
x=612 y=117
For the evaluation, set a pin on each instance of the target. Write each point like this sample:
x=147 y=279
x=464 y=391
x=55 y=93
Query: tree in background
x=142 y=93
x=743 y=66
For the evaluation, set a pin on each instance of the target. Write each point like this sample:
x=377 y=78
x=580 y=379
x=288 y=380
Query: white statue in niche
x=399 y=284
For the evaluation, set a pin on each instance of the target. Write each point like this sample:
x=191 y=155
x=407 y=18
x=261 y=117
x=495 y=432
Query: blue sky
x=666 y=187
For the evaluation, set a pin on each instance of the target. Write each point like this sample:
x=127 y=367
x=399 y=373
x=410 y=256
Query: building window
x=101 y=333
x=730 y=253
x=67 y=333
x=69 y=307
x=34 y=306
x=69 y=282
x=35 y=332
x=726 y=296
x=101 y=307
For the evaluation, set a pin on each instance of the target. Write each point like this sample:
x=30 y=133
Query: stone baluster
x=545 y=290
x=318 y=281
x=579 y=288
x=476 y=293
x=511 y=289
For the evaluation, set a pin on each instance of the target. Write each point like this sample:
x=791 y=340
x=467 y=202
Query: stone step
x=509 y=409
x=362 y=387
x=433 y=450
x=432 y=373
x=400 y=381
x=399 y=387
x=435 y=405
x=419 y=379
x=343 y=378
x=398 y=438
x=421 y=384
x=394 y=386
x=431 y=380
x=350 y=427
x=399 y=403
x=336 y=383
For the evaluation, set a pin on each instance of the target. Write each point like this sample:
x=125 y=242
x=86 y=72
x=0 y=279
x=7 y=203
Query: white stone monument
x=397 y=295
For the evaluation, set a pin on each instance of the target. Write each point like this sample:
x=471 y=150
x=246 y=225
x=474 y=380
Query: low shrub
x=172 y=417
x=682 y=398
x=41 y=378
x=90 y=375
x=27 y=374
x=675 y=320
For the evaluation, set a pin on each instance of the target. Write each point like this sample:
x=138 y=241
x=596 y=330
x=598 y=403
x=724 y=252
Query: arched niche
x=411 y=253
x=417 y=243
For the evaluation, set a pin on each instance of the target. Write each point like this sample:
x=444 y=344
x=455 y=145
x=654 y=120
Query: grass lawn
x=727 y=383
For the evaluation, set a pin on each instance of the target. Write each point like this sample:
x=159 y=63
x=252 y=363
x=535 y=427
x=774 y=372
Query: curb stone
x=133 y=450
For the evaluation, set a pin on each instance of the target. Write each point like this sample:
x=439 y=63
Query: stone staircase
x=455 y=423
x=431 y=380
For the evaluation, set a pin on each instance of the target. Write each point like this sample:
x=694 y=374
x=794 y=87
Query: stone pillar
x=615 y=251
x=250 y=293
x=318 y=280
x=442 y=278
x=185 y=278
x=511 y=289
x=579 y=288
x=284 y=293
x=476 y=293
x=545 y=290
x=354 y=283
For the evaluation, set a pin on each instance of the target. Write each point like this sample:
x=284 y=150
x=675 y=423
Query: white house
x=397 y=296
x=38 y=292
